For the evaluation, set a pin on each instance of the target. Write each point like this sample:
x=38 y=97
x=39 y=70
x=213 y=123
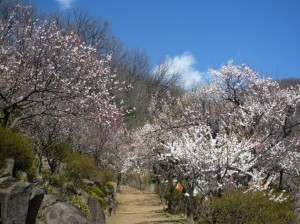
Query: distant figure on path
x=112 y=204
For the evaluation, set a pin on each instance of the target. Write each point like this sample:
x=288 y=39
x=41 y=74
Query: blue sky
x=199 y=34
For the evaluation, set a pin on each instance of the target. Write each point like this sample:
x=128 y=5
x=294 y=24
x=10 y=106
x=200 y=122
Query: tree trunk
x=171 y=194
x=119 y=179
x=280 y=180
x=140 y=182
x=5 y=118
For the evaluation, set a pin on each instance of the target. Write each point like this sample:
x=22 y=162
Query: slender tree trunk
x=5 y=118
x=119 y=179
x=280 y=179
x=160 y=191
x=189 y=201
x=38 y=159
x=140 y=182
x=171 y=194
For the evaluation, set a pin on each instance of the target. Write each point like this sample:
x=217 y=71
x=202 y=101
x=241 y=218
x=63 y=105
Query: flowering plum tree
x=239 y=131
x=55 y=86
x=46 y=71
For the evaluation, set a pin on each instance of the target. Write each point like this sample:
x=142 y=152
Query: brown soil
x=140 y=207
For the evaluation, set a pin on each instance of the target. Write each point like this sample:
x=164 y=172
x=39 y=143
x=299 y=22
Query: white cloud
x=183 y=64
x=65 y=4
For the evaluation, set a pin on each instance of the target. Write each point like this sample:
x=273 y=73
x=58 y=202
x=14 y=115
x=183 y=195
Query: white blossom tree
x=239 y=131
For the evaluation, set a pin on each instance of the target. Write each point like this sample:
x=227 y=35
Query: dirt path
x=140 y=207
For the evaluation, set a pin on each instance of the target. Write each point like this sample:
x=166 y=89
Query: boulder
x=45 y=165
x=64 y=213
x=54 y=211
x=36 y=198
x=14 y=200
x=40 y=222
x=23 y=176
x=48 y=200
x=7 y=171
x=96 y=210
x=62 y=169
x=296 y=203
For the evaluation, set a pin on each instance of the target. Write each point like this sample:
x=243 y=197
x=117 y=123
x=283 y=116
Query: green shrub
x=100 y=199
x=177 y=201
x=97 y=191
x=56 y=180
x=110 y=186
x=81 y=204
x=174 y=195
x=80 y=166
x=247 y=208
x=56 y=153
x=107 y=176
x=102 y=186
x=17 y=147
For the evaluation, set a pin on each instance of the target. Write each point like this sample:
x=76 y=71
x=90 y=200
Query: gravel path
x=140 y=207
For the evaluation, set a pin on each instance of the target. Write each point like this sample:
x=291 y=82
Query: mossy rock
x=97 y=191
x=100 y=199
x=80 y=203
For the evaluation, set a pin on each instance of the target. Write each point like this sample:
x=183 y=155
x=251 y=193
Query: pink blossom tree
x=55 y=86
x=46 y=71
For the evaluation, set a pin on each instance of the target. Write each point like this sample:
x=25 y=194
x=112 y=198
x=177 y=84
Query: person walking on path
x=112 y=204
